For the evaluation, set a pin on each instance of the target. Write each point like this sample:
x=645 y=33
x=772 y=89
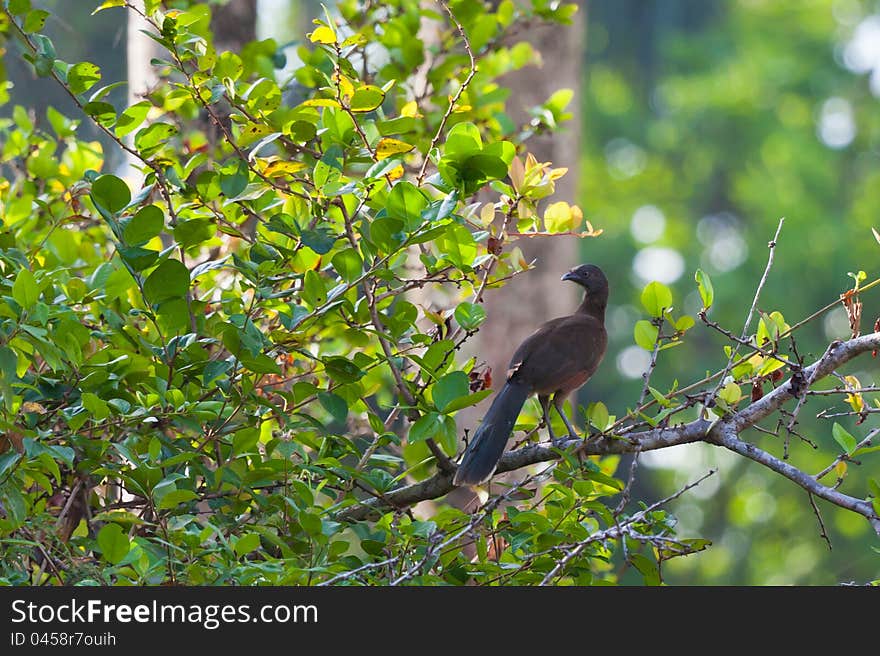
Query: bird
x=552 y=362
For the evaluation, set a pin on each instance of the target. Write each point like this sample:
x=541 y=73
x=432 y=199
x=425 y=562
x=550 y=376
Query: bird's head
x=592 y=279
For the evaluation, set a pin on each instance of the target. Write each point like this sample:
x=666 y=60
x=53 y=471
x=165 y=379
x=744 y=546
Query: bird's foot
x=592 y=436
x=562 y=441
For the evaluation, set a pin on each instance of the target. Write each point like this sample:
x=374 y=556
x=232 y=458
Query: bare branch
x=653 y=364
x=748 y=322
x=728 y=439
x=822 y=531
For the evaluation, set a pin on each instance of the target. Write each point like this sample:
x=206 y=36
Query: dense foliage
x=199 y=372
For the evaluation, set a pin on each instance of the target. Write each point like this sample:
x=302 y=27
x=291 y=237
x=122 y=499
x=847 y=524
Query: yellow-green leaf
x=656 y=297
x=731 y=394
x=704 y=285
x=282 y=167
x=388 y=147
x=645 y=334
x=107 y=4
x=366 y=98
x=323 y=35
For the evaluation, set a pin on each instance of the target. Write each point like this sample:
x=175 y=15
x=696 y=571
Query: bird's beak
x=569 y=276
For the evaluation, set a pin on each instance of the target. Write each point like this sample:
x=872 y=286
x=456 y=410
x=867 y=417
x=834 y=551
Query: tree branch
x=724 y=432
x=728 y=439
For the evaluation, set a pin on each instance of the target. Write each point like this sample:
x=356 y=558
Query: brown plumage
x=552 y=362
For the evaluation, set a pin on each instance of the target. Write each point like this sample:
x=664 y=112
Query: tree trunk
x=234 y=24
x=140 y=50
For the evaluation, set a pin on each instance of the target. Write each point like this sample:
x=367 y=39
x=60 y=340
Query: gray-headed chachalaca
x=552 y=362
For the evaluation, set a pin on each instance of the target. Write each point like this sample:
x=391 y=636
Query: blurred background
x=700 y=124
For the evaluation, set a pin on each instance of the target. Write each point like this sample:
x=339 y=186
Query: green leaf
x=656 y=297
x=113 y=543
x=25 y=290
x=314 y=292
x=704 y=285
x=463 y=138
x=8 y=374
x=63 y=126
x=437 y=426
x=645 y=334
x=466 y=401
x=153 y=137
x=96 y=406
x=131 y=119
x=452 y=386
x=647 y=568
x=598 y=415
x=138 y=258
x=659 y=397
x=310 y=522
x=469 y=315
x=260 y=364
x=386 y=233
x=168 y=280
x=83 y=76
x=406 y=202
x=348 y=264
x=174 y=498
x=684 y=323
x=245 y=440
x=730 y=394
x=234 y=179
x=7 y=461
x=192 y=232
x=111 y=193
x=335 y=405
x=366 y=98
x=247 y=543
x=103 y=112
x=34 y=21
x=143 y=226
x=399 y=125
x=846 y=441
x=18 y=7
x=320 y=239
x=342 y=370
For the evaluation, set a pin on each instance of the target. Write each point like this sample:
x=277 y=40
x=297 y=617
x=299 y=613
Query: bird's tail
x=485 y=449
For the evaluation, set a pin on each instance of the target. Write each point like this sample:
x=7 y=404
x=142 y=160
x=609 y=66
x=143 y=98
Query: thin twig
x=748 y=322
x=617 y=531
x=653 y=364
x=458 y=94
x=866 y=441
x=822 y=530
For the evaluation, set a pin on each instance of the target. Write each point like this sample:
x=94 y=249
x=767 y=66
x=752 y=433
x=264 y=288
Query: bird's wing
x=561 y=355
